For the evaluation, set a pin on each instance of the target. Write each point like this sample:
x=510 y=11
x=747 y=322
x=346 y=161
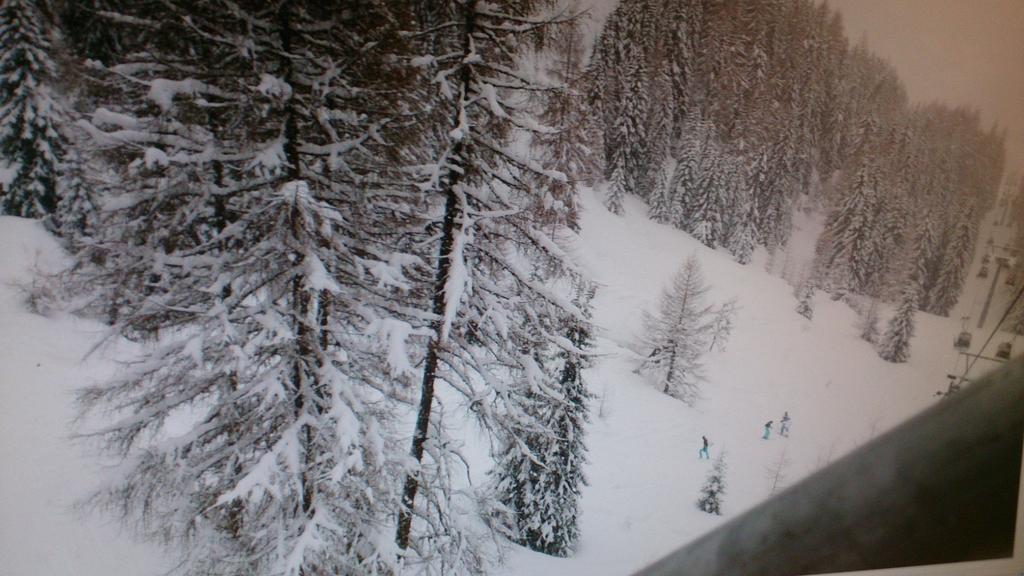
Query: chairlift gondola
x=1004 y=350
x=963 y=341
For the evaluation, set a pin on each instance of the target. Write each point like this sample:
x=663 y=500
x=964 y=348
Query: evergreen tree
x=541 y=484
x=895 y=344
x=714 y=488
x=926 y=254
x=77 y=211
x=850 y=231
x=805 y=299
x=956 y=261
x=616 y=184
x=30 y=112
x=678 y=335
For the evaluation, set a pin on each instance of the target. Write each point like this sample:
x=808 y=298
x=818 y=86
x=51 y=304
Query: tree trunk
x=452 y=216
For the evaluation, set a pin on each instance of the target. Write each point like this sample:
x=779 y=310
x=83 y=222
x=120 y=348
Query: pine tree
x=616 y=184
x=542 y=483
x=678 y=335
x=926 y=254
x=30 y=113
x=714 y=488
x=805 y=299
x=895 y=344
x=660 y=204
x=850 y=229
x=956 y=260
x=77 y=211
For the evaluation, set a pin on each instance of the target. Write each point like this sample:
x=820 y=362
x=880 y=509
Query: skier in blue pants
x=704 y=451
x=767 y=430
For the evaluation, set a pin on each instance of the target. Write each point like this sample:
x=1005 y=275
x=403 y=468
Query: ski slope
x=644 y=473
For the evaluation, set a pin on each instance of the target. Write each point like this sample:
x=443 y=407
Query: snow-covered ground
x=644 y=474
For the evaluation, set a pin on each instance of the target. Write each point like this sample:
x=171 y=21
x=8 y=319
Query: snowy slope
x=644 y=473
x=42 y=472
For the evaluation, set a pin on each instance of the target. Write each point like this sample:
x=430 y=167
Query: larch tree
x=500 y=294
x=248 y=246
x=678 y=335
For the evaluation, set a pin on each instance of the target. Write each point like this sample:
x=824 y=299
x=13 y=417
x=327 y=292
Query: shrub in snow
x=714 y=488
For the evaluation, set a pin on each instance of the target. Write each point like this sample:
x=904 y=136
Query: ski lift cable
x=995 y=329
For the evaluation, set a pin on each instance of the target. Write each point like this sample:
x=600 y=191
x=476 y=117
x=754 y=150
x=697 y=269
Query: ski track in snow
x=644 y=471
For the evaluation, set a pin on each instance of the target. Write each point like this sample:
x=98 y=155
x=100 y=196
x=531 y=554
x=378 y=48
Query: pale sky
x=968 y=52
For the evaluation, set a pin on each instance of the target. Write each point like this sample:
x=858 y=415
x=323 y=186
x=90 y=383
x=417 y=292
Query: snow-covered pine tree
x=805 y=298
x=660 y=203
x=707 y=205
x=678 y=335
x=956 y=260
x=714 y=488
x=76 y=211
x=925 y=254
x=616 y=185
x=499 y=291
x=850 y=229
x=541 y=485
x=895 y=344
x=30 y=114
x=255 y=249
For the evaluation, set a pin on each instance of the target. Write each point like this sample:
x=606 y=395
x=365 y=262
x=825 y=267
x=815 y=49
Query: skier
x=784 y=429
x=704 y=451
x=767 y=430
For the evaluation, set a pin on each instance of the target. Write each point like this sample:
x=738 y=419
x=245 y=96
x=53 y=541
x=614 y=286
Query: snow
x=644 y=473
x=103 y=118
x=44 y=474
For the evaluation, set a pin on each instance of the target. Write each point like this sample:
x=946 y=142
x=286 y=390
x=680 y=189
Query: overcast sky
x=956 y=51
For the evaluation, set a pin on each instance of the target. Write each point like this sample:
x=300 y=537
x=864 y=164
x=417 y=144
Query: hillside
x=644 y=472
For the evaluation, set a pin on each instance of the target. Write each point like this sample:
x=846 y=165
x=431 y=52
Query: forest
x=339 y=235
